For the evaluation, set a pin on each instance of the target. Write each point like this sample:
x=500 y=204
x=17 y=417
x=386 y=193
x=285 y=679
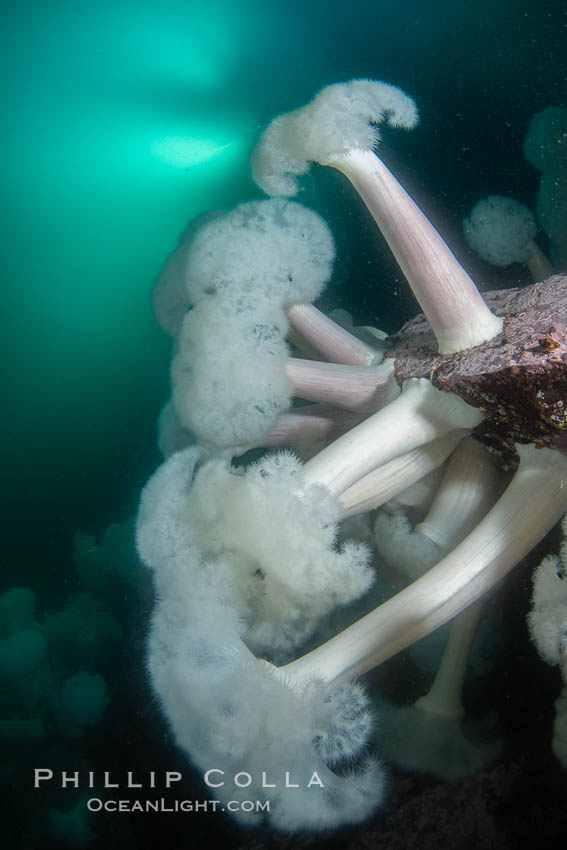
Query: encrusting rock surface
x=518 y=378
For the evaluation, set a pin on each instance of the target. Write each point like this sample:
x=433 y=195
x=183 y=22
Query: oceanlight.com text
x=161 y=805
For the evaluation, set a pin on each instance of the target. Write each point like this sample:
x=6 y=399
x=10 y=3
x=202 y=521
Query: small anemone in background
x=17 y=610
x=83 y=699
x=82 y=634
x=21 y=654
x=102 y=566
x=545 y=147
x=502 y=232
x=70 y=827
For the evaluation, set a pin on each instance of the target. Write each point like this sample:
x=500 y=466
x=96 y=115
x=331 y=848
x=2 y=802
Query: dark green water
x=121 y=121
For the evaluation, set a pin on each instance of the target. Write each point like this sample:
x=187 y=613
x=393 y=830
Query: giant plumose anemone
x=246 y=561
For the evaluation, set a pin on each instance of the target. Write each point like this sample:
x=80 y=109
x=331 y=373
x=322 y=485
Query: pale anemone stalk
x=429 y=736
x=386 y=482
x=348 y=387
x=418 y=416
x=325 y=336
x=308 y=428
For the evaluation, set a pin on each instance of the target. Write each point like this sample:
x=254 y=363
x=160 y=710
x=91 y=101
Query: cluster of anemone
x=53 y=674
x=47 y=669
x=249 y=562
x=52 y=690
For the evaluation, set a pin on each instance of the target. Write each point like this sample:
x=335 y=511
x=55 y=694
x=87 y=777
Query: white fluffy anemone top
x=274 y=249
x=263 y=575
x=242 y=270
x=274 y=534
x=547 y=622
x=547 y=619
x=340 y=118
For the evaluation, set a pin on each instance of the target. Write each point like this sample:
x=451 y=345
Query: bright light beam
x=184 y=151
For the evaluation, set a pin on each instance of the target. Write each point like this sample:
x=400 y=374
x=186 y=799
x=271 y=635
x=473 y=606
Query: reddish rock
x=519 y=378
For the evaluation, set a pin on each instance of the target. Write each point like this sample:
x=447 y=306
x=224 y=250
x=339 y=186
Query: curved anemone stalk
x=444 y=697
x=469 y=487
x=388 y=481
x=419 y=415
x=507 y=534
x=310 y=424
x=537 y=262
x=430 y=736
x=452 y=304
x=350 y=387
x=332 y=341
